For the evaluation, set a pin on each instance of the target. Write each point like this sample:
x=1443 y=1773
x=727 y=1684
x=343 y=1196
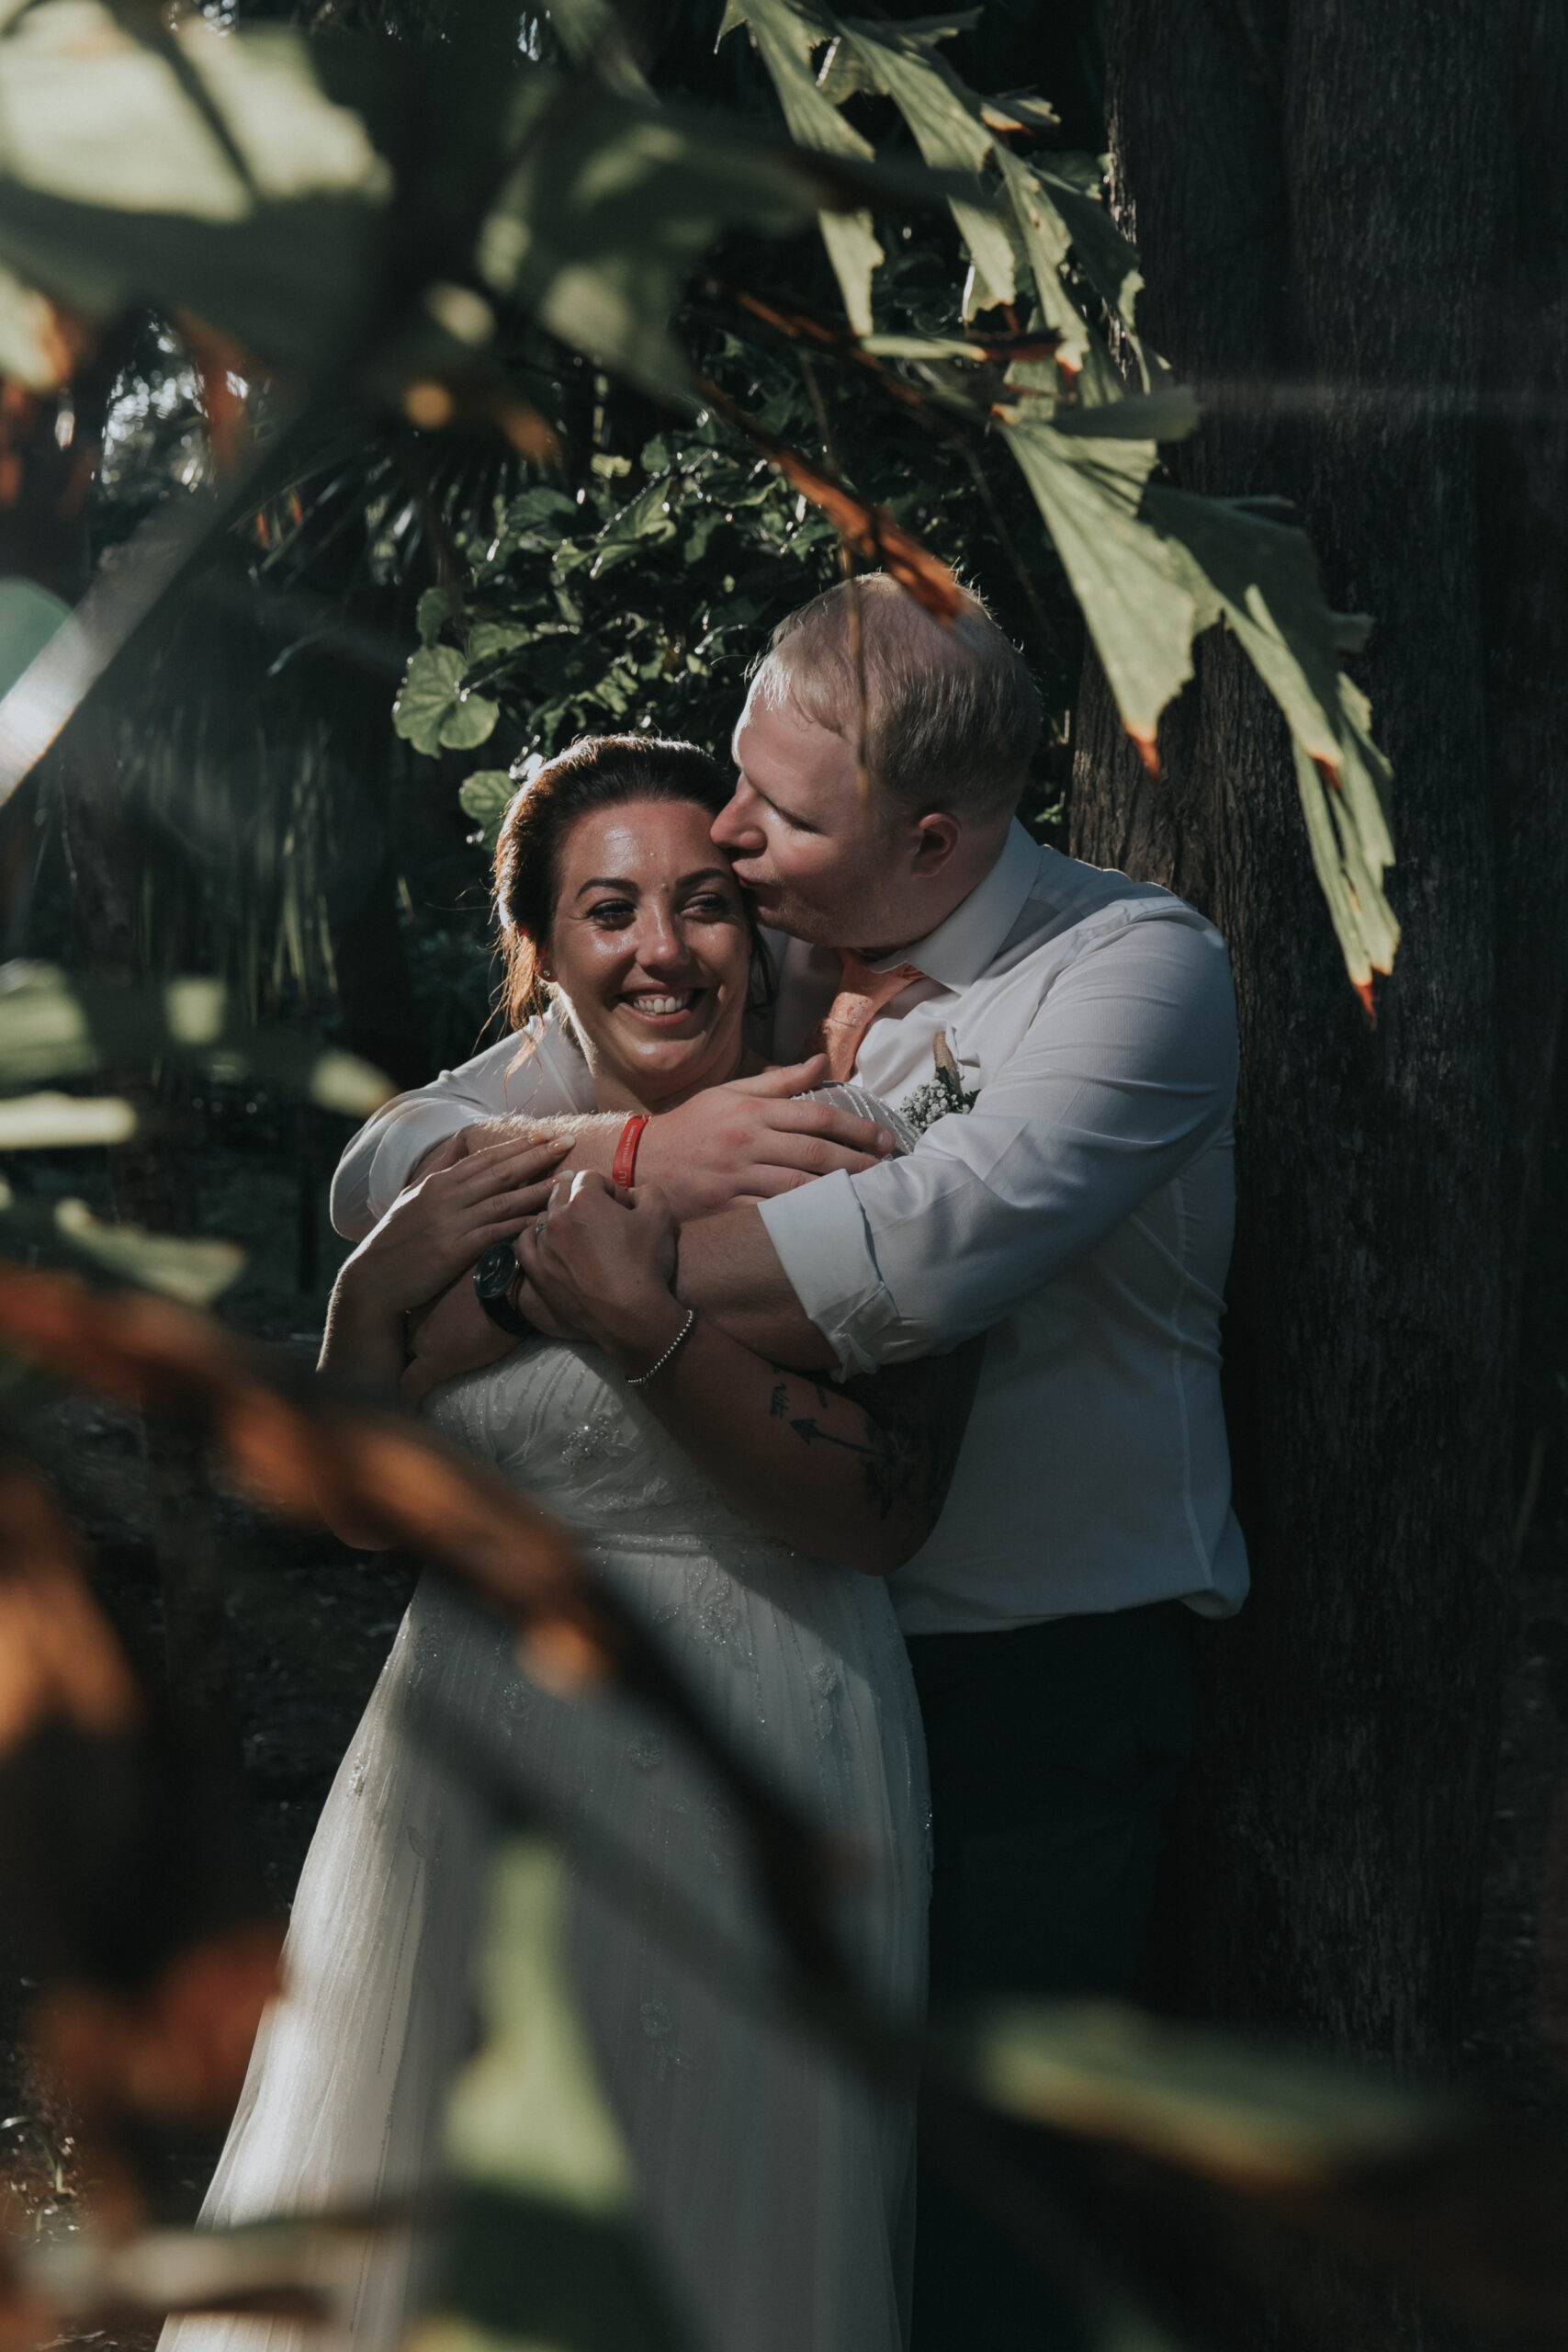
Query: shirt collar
x=960 y=948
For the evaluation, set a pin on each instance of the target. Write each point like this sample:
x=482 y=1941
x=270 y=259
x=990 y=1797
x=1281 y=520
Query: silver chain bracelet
x=641 y=1379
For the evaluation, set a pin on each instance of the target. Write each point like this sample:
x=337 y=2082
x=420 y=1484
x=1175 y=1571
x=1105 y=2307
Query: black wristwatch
x=495 y=1278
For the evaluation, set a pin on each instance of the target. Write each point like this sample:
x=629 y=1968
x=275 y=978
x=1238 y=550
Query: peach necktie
x=862 y=995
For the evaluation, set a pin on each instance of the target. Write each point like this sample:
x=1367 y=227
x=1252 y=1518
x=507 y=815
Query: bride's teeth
x=662 y=1003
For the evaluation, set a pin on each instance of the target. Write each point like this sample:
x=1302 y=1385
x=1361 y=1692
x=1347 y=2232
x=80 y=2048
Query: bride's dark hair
x=599 y=772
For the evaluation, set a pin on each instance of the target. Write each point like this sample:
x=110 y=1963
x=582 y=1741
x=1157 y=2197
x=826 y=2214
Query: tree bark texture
x=1351 y=216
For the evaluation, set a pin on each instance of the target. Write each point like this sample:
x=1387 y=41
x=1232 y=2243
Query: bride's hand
x=598 y=1266
x=443 y=1224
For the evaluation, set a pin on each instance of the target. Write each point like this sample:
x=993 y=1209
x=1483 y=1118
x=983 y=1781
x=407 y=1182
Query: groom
x=1067 y=1039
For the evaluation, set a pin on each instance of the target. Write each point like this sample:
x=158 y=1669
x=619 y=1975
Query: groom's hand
x=752 y=1140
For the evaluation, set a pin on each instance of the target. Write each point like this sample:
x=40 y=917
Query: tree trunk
x=1322 y=193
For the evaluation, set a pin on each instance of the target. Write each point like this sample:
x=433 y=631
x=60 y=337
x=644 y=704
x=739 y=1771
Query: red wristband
x=624 y=1165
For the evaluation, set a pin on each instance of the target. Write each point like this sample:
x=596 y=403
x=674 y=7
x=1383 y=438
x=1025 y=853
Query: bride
x=746 y=1514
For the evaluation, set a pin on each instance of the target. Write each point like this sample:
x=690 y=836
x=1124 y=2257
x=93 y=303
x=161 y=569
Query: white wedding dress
x=775 y=2191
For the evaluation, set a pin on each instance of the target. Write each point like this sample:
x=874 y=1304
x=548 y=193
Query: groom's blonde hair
x=947 y=712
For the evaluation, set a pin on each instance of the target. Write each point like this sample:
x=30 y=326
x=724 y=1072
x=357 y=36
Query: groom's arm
x=731 y=1271
x=751 y=1139
x=1126 y=1073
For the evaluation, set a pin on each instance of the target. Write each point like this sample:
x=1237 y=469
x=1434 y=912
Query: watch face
x=494 y=1274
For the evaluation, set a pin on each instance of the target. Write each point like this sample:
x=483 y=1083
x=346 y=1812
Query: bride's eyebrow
x=687 y=881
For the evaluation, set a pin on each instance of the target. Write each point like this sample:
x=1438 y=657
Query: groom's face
x=821 y=856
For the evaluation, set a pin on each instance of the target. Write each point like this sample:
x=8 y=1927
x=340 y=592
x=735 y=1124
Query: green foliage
x=435 y=711
x=1151 y=568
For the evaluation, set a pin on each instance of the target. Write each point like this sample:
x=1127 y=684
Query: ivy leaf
x=434 y=711
x=486 y=797
x=540 y=508
x=487 y=640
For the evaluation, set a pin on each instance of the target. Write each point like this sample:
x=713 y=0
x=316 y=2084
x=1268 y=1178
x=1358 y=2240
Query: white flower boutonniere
x=942 y=1095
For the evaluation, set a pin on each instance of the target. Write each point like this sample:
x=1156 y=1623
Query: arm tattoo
x=911 y=1421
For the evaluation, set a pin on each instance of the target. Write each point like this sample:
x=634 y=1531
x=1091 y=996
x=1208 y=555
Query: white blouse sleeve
x=538 y=1070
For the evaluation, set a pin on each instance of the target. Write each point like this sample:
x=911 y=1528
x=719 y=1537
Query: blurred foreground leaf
x=124 y=1883
x=1206 y=2101
x=57 y=1657
x=61 y=1122
x=202 y=169
x=543 y=2246
x=54 y=1026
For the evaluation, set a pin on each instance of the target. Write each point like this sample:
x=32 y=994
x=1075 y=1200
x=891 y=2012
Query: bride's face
x=650 y=948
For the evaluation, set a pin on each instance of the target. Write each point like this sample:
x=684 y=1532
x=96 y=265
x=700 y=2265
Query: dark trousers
x=1055 y=1751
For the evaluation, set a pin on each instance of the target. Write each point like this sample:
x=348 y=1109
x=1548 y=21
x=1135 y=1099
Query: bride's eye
x=712 y=905
x=611 y=914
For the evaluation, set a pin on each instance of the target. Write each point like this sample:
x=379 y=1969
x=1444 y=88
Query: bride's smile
x=650 y=950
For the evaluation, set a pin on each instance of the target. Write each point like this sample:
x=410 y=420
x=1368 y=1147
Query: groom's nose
x=736 y=825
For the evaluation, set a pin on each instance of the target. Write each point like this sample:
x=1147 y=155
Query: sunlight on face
x=649 y=945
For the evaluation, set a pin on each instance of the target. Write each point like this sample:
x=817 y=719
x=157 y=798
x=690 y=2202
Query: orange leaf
x=58 y=1656
x=391 y=1479
x=218 y=360
x=175 y=2048
x=1145 y=745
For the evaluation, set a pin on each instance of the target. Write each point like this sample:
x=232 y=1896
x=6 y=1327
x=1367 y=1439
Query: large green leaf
x=52 y=1026
x=786 y=36
x=949 y=133
x=543 y=2248
x=610 y=206
x=1141 y=608
x=30 y=616
x=1264 y=574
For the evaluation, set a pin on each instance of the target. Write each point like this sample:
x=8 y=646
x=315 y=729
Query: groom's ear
x=935 y=836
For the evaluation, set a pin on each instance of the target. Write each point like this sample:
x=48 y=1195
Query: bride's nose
x=660 y=944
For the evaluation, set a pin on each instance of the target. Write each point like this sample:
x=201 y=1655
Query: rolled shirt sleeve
x=1125 y=1073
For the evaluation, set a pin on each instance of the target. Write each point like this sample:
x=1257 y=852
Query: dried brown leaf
x=389 y=1480
x=58 y=1656
x=176 y=2047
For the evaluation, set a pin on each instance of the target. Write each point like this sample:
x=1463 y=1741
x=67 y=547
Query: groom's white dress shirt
x=1081 y=1213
